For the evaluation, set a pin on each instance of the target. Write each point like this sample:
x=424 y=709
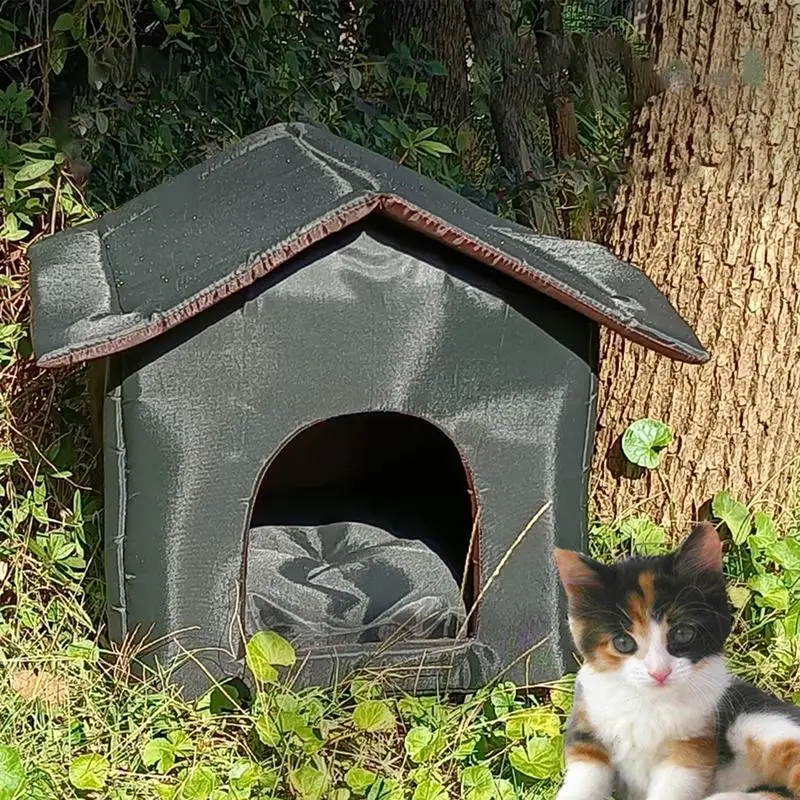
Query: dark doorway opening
x=360 y=532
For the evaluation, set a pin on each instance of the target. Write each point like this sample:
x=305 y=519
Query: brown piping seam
x=397 y=209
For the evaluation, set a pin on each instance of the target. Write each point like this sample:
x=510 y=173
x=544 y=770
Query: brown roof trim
x=396 y=208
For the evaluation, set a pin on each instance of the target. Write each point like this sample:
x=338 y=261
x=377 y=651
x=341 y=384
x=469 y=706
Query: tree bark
x=711 y=214
x=513 y=94
x=443 y=26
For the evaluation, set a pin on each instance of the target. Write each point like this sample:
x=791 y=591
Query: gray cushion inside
x=346 y=583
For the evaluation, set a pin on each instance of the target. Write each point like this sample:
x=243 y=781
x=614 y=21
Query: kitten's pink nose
x=659 y=675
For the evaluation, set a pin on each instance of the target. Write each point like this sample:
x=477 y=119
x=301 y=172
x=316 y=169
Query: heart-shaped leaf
x=733 y=514
x=12 y=773
x=374 y=715
x=89 y=772
x=644 y=440
x=309 y=783
x=359 y=780
x=265 y=651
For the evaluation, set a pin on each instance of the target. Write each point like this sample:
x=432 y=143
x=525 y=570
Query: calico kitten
x=656 y=714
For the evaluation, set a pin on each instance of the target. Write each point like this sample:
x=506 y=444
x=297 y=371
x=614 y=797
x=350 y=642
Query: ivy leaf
x=644 y=440
x=532 y=721
x=430 y=789
x=422 y=744
x=12 y=773
x=7 y=457
x=159 y=752
x=771 y=591
x=63 y=23
x=786 y=553
x=308 y=782
x=265 y=651
x=733 y=514
x=647 y=537
x=200 y=784
x=374 y=715
x=386 y=789
x=477 y=783
x=89 y=772
x=359 y=780
x=267 y=731
x=739 y=595
x=539 y=757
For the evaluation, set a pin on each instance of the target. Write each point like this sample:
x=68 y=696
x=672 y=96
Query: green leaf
x=771 y=591
x=648 y=538
x=160 y=753
x=200 y=783
x=539 y=758
x=786 y=553
x=101 y=120
x=422 y=744
x=644 y=440
x=765 y=534
x=434 y=148
x=477 y=783
x=64 y=23
x=264 y=652
x=7 y=457
x=733 y=514
x=267 y=12
x=33 y=170
x=12 y=773
x=374 y=715
x=430 y=789
x=89 y=772
x=386 y=789
x=83 y=650
x=354 y=76
x=359 y=780
x=267 y=731
x=739 y=595
x=532 y=721
x=308 y=782
x=161 y=9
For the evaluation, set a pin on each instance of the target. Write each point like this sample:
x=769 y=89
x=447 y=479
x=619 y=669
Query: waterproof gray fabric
x=348 y=583
x=182 y=247
x=303 y=335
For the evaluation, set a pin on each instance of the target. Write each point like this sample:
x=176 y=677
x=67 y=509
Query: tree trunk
x=443 y=26
x=555 y=55
x=513 y=91
x=711 y=213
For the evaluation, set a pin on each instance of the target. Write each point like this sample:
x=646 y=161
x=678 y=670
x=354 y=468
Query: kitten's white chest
x=637 y=725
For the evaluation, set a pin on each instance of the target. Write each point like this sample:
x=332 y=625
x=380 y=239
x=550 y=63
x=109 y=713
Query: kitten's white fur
x=634 y=718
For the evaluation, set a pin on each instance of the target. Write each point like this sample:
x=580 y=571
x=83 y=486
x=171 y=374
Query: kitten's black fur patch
x=683 y=592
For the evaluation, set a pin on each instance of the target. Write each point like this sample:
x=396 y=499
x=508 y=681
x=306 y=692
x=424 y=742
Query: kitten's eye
x=682 y=634
x=624 y=644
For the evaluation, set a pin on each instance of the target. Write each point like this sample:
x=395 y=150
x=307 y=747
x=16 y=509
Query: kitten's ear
x=576 y=571
x=701 y=551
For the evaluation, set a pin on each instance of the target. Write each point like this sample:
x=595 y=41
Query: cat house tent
x=335 y=394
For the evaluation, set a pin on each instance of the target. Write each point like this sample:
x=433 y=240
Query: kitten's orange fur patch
x=587 y=751
x=640 y=604
x=777 y=763
x=699 y=753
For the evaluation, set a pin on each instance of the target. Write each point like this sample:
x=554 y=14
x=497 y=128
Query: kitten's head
x=655 y=621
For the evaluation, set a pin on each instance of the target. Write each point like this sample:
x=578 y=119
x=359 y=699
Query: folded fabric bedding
x=346 y=583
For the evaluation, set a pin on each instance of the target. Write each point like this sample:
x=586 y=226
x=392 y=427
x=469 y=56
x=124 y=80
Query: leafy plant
x=644 y=440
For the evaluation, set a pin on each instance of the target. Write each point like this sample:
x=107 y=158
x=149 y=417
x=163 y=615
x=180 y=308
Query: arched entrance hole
x=360 y=532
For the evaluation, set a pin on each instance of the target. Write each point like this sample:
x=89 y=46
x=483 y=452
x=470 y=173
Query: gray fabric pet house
x=335 y=394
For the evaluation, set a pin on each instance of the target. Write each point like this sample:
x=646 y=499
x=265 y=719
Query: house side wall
x=371 y=322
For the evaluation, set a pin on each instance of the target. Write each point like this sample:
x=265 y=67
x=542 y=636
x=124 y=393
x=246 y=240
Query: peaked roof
x=178 y=249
